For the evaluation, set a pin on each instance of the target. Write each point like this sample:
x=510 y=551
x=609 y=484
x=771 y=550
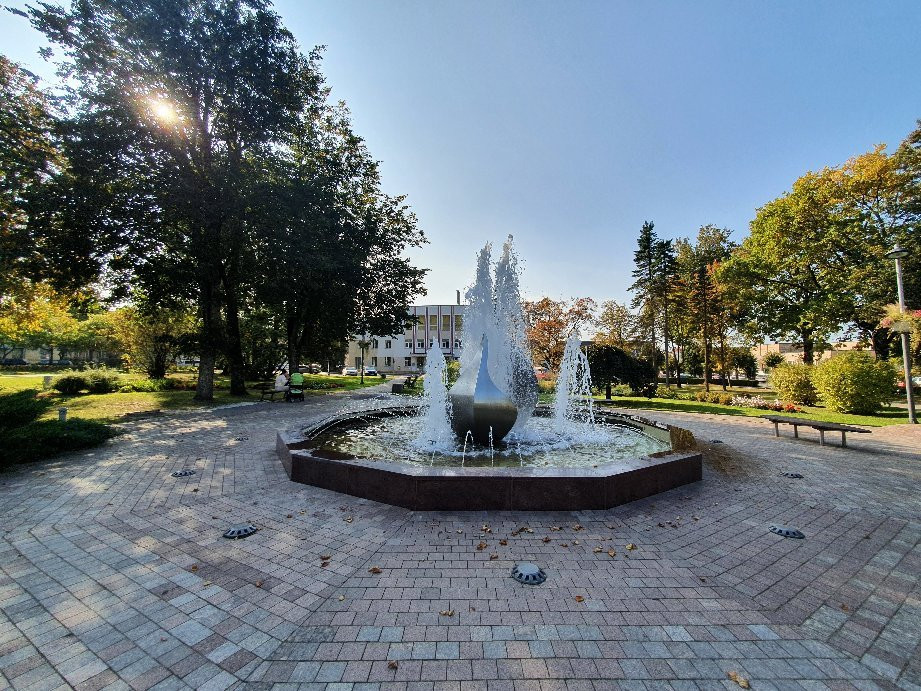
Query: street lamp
x=899 y=253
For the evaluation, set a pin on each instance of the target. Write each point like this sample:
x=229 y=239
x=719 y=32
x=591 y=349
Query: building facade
x=433 y=325
x=794 y=353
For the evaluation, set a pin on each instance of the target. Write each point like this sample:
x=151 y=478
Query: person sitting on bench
x=281 y=381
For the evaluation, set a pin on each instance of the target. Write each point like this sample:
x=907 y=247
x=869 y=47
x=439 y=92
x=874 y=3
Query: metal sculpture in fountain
x=478 y=406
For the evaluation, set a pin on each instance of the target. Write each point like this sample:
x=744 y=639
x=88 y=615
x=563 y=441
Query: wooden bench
x=410 y=382
x=267 y=389
x=822 y=427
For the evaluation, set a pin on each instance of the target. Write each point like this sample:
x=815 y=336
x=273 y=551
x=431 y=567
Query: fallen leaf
x=486 y=528
x=447 y=612
x=193 y=567
x=579 y=598
x=214 y=518
x=503 y=542
x=326 y=557
x=597 y=550
x=302 y=512
x=206 y=583
x=743 y=683
x=577 y=527
x=696 y=518
x=612 y=553
x=546 y=539
x=162 y=639
x=324 y=564
x=555 y=527
x=258 y=584
x=733 y=676
x=703 y=580
x=480 y=547
x=662 y=525
x=529 y=530
x=348 y=519
x=493 y=556
x=392 y=664
x=341 y=598
x=195 y=490
x=290 y=515
x=845 y=608
x=459 y=531
x=576 y=542
x=374 y=570
x=631 y=546
x=564 y=544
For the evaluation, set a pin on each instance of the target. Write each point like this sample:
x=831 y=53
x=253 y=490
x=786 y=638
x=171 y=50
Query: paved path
x=114 y=574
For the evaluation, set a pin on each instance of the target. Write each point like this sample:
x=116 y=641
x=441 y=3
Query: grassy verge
x=887 y=416
x=112 y=406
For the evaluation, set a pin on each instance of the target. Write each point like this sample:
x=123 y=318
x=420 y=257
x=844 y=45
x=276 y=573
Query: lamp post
x=899 y=253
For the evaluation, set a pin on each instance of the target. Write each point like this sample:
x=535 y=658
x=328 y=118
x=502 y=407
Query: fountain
x=484 y=442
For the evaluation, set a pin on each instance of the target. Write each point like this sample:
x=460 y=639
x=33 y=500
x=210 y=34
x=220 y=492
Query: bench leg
x=821 y=437
x=796 y=431
x=776 y=433
x=843 y=439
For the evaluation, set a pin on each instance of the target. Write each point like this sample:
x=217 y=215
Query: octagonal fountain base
x=424 y=488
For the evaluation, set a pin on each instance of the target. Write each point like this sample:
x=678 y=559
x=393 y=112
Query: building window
x=431 y=343
x=388 y=361
x=420 y=320
x=445 y=343
x=420 y=343
x=358 y=363
x=388 y=344
x=420 y=362
x=374 y=343
x=374 y=362
x=407 y=344
x=457 y=343
x=407 y=362
x=433 y=322
x=458 y=322
x=446 y=322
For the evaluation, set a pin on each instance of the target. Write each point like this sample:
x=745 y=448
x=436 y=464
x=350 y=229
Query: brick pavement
x=114 y=574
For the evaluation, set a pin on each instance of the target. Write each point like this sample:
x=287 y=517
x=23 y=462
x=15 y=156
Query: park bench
x=410 y=382
x=822 y=427
x=267 y=389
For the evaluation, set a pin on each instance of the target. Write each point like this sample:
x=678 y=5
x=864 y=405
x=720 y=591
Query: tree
x=616 y=326
x=28 y=155
x=610 y=365
x=550 y=323
x=175 y=102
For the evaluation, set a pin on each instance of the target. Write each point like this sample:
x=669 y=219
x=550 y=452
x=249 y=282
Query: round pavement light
x=529 y=574
x=795 y=476
x=183 y=473
x=239 y=531
x=784 y=531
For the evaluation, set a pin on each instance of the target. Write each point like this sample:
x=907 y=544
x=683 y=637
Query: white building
x=405 y=352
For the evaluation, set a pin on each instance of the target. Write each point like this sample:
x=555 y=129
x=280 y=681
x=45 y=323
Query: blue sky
x=567 y=124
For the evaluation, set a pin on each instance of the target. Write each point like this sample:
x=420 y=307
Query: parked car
x=350 y=371
x=371 y=371
x=314 y=368
x=13 y=361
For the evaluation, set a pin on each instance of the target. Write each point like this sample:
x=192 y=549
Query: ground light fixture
x=898 y=253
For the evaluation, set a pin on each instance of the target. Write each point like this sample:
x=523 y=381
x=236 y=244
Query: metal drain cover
x=529 y=574
x=239 y=531
x=183 y=473
x=784 y=531
x=795 y=476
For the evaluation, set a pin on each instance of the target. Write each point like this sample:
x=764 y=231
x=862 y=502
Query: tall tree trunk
x=234 y=343
x=882 y=343
x=210 y=339
x=665 y=336
x=808 y=346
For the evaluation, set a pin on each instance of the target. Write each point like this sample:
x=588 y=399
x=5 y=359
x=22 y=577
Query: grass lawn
x=887 y=416
x=112 y=406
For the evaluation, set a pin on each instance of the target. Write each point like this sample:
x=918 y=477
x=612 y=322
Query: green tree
x=611 y=365
x=616 y=326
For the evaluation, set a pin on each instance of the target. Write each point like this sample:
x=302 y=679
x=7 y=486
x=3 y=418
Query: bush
x=855 y=383
x=666 y=392
x=21 y=408
x=793 y=383
x=70 y=383
x=725 y=398
x=701 y=396
x=45 y=438
x=102 y=380
x=322 y=385
x=152 y=385
x=771 y=360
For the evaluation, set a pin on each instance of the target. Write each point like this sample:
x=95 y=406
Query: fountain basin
x=430 y=488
